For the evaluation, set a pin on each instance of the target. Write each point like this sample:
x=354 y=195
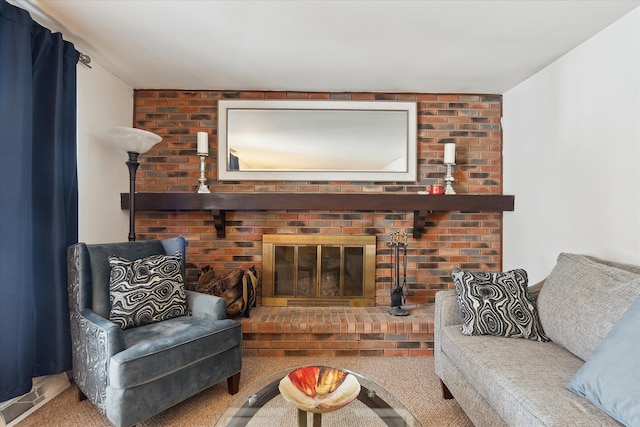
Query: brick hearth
x=337 y=331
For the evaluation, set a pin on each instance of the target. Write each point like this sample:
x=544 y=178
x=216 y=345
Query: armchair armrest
x=113 y=332
x=96 y=340
x=206 y=306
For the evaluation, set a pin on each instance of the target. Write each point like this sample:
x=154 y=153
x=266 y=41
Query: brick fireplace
x=452 y=239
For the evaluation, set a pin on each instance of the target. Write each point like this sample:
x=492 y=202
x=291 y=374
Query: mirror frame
x=227 y=106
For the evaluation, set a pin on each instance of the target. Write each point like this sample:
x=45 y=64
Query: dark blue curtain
x=38 y=198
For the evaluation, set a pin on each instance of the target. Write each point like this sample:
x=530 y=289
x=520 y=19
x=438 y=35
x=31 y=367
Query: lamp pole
x=132 y=164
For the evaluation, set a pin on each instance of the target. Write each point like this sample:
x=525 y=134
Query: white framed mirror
x=301 y=140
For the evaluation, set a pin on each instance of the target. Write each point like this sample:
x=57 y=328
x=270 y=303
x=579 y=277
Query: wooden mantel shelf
x=421 y=205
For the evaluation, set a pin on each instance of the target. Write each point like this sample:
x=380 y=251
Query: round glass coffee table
x=261 y=404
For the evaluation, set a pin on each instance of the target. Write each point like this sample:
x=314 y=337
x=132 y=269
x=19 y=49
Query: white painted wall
x=571 y=155
x=103 y=101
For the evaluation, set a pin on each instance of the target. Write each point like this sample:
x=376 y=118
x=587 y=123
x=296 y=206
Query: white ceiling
x=379 y=46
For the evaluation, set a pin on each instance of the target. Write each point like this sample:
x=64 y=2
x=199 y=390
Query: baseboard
x=44 y=389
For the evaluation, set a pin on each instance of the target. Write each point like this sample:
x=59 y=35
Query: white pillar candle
x=450 y=153
x=203 y=143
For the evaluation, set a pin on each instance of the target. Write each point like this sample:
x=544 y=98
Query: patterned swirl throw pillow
x=146 y=290
x=497 y=304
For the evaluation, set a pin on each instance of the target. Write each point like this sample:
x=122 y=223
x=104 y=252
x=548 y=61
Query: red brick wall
x=468 y=240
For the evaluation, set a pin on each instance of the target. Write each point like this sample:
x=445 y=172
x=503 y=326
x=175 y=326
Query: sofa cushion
x=497 y=304
x=582 y=298
x=611 y=377
x=161 y=348
x=146 y=290
x=523 y=380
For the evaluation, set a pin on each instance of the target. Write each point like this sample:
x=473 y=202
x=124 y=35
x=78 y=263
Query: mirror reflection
x=317 y=140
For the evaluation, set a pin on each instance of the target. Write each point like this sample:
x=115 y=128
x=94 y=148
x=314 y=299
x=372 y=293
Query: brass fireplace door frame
x=269 y=243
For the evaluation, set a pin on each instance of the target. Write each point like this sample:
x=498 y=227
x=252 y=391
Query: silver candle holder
x=203 y=180
x=449 y=179
x=449 y=161
x=203 y=152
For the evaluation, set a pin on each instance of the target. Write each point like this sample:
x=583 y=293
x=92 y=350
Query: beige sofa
x=519 y=382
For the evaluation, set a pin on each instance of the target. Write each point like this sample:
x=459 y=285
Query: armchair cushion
x=146 y=290
x=95 y=269
x=153 y=350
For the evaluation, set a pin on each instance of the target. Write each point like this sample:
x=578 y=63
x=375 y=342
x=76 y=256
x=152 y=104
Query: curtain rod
x=46 y=20
x=84 y=59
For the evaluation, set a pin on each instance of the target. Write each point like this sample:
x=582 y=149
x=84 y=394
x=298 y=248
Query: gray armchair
x=133 y=374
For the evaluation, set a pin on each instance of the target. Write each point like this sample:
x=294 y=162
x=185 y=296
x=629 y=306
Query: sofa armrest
x=206 y=306
x=534 y=290
x=447 y=313
x=447 y=310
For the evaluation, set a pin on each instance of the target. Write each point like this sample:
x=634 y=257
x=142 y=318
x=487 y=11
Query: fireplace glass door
x=316 y=273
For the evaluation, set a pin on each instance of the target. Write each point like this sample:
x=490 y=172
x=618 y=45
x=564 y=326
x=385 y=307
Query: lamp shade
x=133 y=140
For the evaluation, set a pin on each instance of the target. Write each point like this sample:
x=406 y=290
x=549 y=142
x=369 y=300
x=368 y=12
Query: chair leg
x=81 y=395
x=233 y=383
x=446 y=394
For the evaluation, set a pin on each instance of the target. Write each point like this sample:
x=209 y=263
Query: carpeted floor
x=411 y=379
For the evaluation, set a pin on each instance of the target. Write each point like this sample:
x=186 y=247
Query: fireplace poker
x=404 y=269
x=397 y=290
x=397 y=259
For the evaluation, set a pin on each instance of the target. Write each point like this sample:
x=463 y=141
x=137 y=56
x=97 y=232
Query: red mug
x=435 y=189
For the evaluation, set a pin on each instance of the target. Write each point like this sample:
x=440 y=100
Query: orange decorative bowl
x=319 y=388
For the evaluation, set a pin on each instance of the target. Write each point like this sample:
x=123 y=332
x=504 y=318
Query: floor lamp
x=134 y=142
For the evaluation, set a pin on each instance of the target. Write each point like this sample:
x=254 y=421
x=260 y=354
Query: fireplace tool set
x=397 y=291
